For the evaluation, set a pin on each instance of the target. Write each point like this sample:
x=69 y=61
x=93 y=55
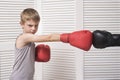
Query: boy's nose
x=33 y=28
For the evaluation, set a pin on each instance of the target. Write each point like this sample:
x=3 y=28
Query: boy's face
x=30 y=26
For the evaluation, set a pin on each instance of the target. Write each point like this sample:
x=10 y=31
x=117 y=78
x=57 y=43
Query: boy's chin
x=32 y=32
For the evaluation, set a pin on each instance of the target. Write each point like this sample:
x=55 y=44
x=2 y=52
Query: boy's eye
x=30 y=25
x=36 y=25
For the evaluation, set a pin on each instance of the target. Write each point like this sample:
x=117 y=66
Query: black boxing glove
x=103 y=39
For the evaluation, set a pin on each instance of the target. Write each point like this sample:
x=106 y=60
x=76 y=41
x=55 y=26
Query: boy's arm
x=80 y=39
x=41 y=38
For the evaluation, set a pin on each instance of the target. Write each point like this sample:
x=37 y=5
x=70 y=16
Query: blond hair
x=29 y=14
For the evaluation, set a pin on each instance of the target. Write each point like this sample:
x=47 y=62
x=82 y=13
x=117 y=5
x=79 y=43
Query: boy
x=23 y=68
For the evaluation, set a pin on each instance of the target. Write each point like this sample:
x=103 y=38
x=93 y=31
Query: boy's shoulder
x=24 y=35
x=21 y=40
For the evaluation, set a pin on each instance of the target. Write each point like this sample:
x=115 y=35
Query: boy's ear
x=21 y=23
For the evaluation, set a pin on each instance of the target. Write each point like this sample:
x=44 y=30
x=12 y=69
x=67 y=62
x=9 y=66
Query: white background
x=60 y=16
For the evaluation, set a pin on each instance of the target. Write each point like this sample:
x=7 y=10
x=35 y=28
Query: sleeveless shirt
x=23 y=68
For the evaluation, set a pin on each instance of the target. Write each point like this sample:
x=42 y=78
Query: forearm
x=47 y=38
x=54 y=37
x=41 y=38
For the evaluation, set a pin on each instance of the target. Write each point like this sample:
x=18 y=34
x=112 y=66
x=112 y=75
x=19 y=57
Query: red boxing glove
x=80 y=39
x=42 y=53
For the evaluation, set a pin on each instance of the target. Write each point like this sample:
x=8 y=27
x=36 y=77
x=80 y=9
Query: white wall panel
x=102 y=64
x=9 y=29
x=59 y=16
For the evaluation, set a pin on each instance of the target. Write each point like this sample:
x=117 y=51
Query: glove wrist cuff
x=64 y=37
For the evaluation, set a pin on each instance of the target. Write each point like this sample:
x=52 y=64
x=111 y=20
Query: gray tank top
x=23 y=68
